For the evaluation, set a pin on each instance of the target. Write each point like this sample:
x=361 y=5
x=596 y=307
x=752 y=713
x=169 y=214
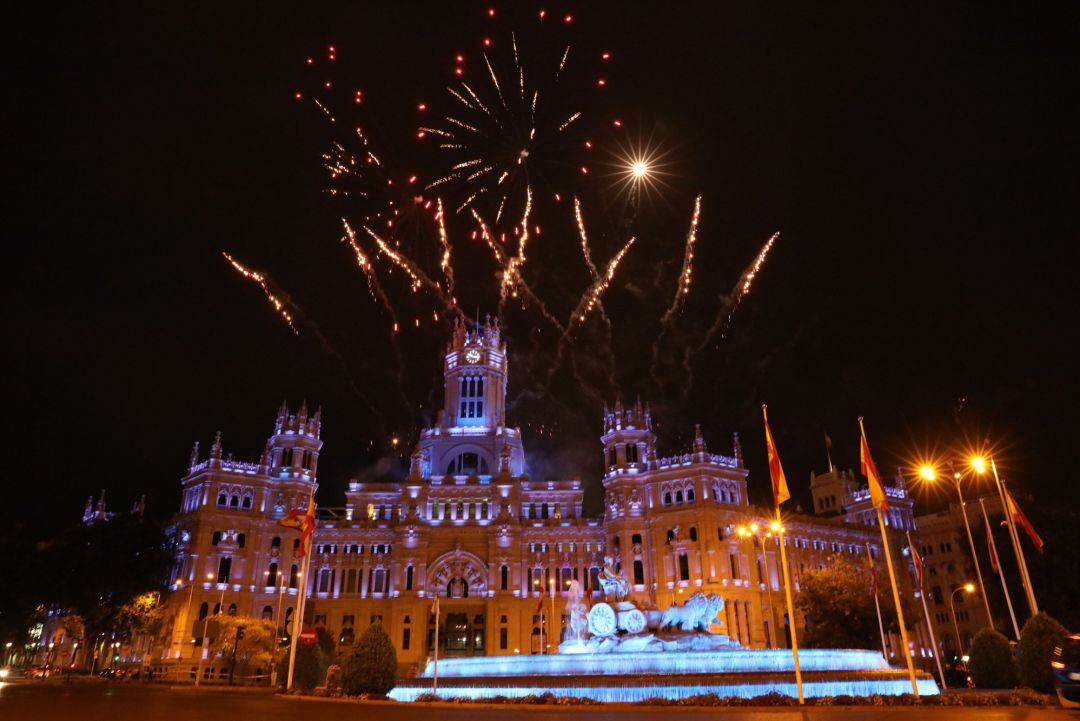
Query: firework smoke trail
x=281 y=306
x=288 y=310
x=447 y=268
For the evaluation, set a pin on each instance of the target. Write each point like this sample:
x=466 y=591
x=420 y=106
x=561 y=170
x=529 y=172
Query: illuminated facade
x=471 y=525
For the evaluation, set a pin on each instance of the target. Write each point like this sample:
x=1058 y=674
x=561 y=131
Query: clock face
x=472 y=356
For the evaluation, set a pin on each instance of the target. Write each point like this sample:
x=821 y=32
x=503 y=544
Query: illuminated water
x=741 y=672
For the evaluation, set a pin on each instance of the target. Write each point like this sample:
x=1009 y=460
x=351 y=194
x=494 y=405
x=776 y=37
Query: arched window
x=667 y=498
x=467 y=464
x=247 y=503
x=670 y=534
x=294 y=576
x=241 y=540
x=232 y=609
x=636 y=539
x=215 y=539
x=204 y=610
x=693 y=533
x=408 y=578
x=504 y=577
x=234 y=501
x=268 y=613
x=690 y=495
x=275 y=542
x=639 y=573
x=272 y=575
x=222 y=499
x=678 y=497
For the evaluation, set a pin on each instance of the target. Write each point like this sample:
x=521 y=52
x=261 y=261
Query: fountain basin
x=743 y=673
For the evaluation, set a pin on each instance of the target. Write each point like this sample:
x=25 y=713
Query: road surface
x=46 y=701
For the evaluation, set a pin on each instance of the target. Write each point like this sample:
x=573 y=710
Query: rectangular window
x=734 y=559
x=405 y=639
x=684 y=567
x=504 y=639
x=504 y=578
x=224 y=568
x=639 y=573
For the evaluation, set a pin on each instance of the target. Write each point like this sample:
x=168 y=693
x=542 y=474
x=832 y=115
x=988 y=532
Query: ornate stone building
x=470 y=524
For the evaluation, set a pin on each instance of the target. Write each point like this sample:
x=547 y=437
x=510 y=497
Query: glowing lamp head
x=928 y=473
x=969 y=587
x=978 y=463
x=754 y=528
x=741 y=530
x=639 y=169
x=775 y=527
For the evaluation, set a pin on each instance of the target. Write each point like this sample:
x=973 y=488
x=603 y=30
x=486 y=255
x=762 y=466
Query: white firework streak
x=566 y=123
x=495 y=82
x=562 y=63
x=740 y=291
x=366 y=265
x=470 y=199
x=440 y=181
x=467 y=163
x=687 y=272
x=418 y=277
x=457 y=95
x=462 y=124
x=437 y=131
x=584 y=240
x=478 y=173
x=592 y=295
x=476 y=98
x=444 y=239
x=260 y=279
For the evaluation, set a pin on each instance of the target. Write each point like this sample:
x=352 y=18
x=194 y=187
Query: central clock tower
x=470 y=432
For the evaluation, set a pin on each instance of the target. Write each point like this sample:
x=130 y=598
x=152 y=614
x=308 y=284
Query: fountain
x=619 y=652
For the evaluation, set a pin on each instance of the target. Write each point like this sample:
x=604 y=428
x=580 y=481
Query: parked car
x=1065 y=662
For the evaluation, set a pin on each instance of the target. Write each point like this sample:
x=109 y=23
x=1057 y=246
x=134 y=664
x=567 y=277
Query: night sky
x=919 y=159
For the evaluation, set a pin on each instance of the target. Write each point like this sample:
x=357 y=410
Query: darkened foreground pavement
x=117 y=702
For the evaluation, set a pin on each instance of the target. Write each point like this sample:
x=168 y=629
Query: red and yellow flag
x=917 y=559
x=776 y=471
x=1019 y=517
x=873 y=478
x=303 y=522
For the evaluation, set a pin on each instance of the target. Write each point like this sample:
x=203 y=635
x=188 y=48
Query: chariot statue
x=614 y=585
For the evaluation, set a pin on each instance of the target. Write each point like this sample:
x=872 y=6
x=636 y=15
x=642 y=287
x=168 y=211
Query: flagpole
x=877 y=605
x=790 y=608
x=929 y=626
x=974 y=556
x=888 y=562
x=301 y=591
x=1000 y=571
x=435 y=664
x=781 y=494
x=1015 y=538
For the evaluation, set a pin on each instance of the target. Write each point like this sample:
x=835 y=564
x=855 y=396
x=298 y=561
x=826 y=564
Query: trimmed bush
x=371 y=668
x=991 y=663
x=1037 y=640
x=310 y=669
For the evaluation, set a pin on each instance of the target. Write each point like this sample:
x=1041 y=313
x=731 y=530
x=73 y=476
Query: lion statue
x=694 y=615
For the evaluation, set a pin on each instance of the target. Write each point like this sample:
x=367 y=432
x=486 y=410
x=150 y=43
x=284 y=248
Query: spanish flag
x=303 y=522
x=873 y=478
x=1019 y=518
x=776 y=471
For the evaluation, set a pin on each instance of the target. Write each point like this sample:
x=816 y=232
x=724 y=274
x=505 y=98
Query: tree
x=990 y=660
x=253 y=651
x=310 y=670
x=1037 y=640
x=838 y=604
x=95 y=570
x=372 y=666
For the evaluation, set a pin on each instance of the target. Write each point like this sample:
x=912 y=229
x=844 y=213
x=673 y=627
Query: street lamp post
x=930 y=474
x=969 y=588
x=753 y=532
